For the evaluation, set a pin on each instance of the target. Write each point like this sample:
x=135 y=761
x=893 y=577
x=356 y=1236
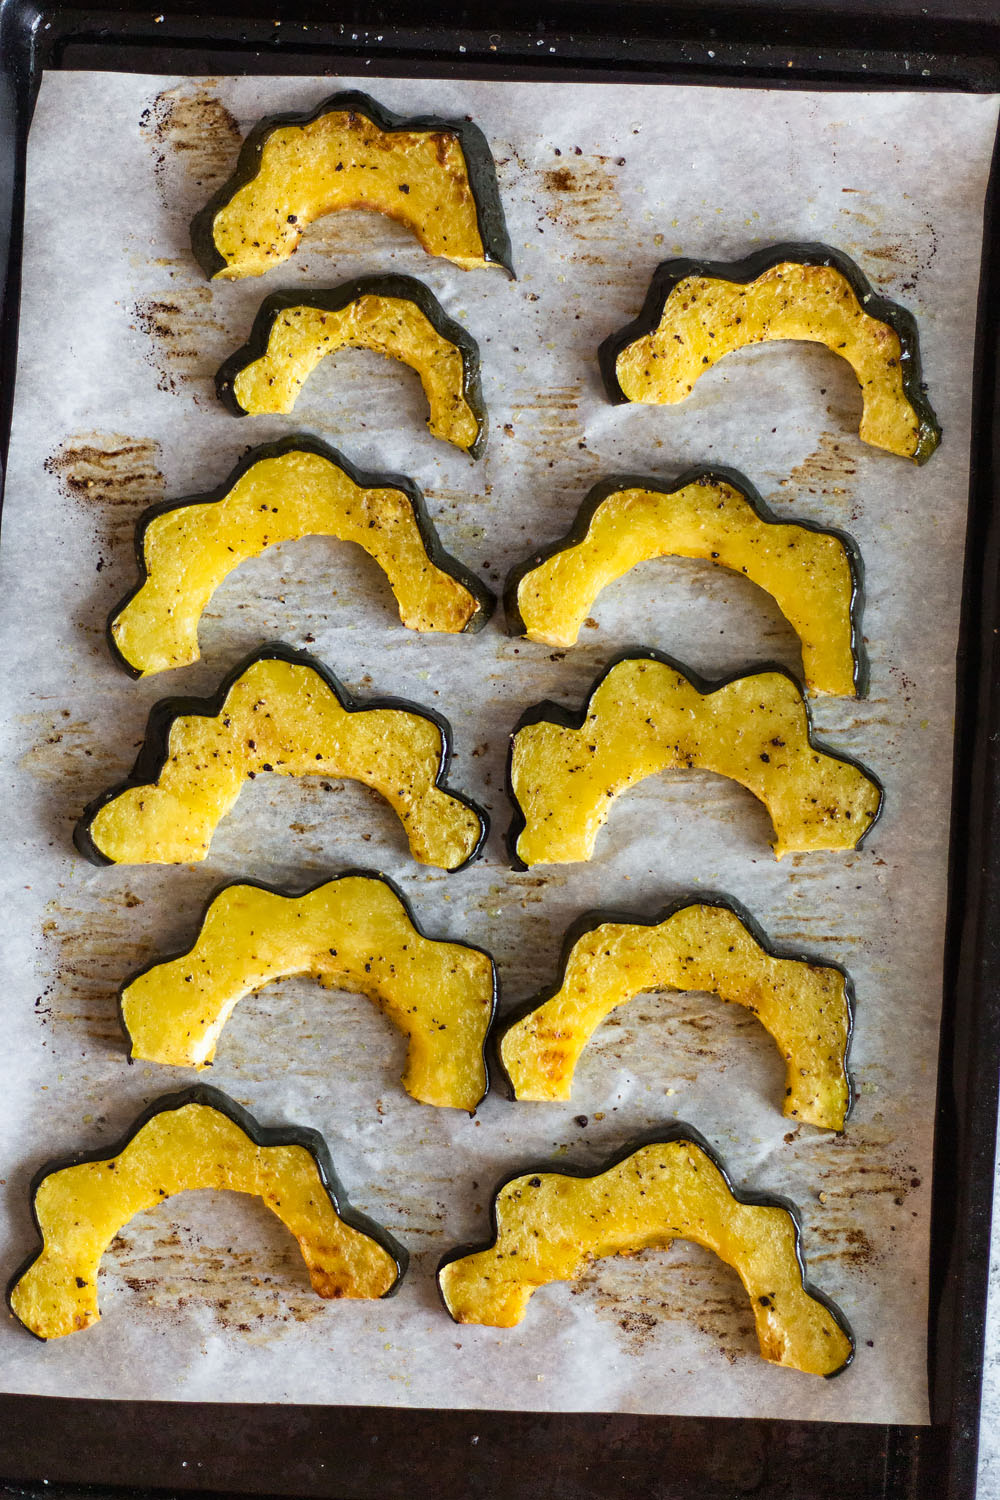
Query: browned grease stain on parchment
x=186 y=342
x=829 y=470
x=190 y=125
x=115 y=475
x=580 y=193
x=89 y=954
x=171 y=1267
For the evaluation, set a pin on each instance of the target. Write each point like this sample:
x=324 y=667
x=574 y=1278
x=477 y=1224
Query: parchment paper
x=120 y=336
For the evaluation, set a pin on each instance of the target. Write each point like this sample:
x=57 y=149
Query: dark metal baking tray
x=363 y=1453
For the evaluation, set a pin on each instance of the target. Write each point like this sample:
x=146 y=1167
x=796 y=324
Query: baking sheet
x=120 y=337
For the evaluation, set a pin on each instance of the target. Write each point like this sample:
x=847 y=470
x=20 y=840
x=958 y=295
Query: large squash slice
x=294 y=488
x=610 y=957
x=814 y=575
x=354 y=933
x=549 y=1226
x=696 y=311
x=435 y=176
x=392 y=315
x=646 y=713
x=195 y=1139
x=279 y=710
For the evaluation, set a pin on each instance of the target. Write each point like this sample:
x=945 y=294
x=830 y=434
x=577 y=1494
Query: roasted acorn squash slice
x=293 y=488
x=279 y=710
x=609 y=957
x=697 y=311
x=814 y=575
x=549 y=1226
x=435 y=176
x=195 y=1139
x=646 y=713
x=392 y=315
x=354 y=933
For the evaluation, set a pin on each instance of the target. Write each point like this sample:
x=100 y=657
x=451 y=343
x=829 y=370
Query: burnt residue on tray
x=189 y=125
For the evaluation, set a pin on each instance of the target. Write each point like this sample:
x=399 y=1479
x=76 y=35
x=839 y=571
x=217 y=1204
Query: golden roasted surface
x=393 y=326
x=188 y=552
x=283 y=717
x=550 y=1227
x=645 y=717
x=80 y=1209
x=343 y=160
x=705 y=318
x=807 y=572
x=803 y=1005
x=351 y=934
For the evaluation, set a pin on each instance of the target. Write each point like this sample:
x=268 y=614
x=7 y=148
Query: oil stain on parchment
x=114 y=476
x=186 y=342
x=828 y=471
x=188 y=125
x=580 y=193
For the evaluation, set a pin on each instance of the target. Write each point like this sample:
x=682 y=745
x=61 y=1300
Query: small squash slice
x=392 y=315
x=696 y=311
x=435 y=176
x=279 y=710
x=609 y=957
x=294 y=488
x=198 y=1138
x=549 y=1226
x=354 y=933
x=814 y=575
x=645 y=714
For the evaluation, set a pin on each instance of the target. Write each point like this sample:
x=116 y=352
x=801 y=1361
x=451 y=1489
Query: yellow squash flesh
x=282 y=716
x=803 y=1005
x=550 y=1227
x=394 y=326
x=351 y=934
x=343 y=160
x=705 y=318
x=807 y=572
x=645 y=716
x=81 y=1208
x=188 y=551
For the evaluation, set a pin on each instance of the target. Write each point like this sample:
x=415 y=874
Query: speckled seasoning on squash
x=357 y=933
x=551 y=1225
x=436 y=176
x=279 y=710
x=198 y=1138
x=697 y=311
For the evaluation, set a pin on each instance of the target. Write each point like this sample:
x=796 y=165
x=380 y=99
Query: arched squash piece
x=609 y=958
x=698 y=311
x=435 y=176
x=549 y=1226
x=198 y=1138
x=293 y=488
x=279 y=710
x=645 y=714
x=392 y=315
x=814 y=575
x=354 y=933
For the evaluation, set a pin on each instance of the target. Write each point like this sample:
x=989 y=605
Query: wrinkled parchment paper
x=120 y=336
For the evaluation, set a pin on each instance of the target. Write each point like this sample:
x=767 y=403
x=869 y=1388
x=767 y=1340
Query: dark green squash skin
x=660 y=1136
x=589 y=920
x=899 y=319
x=557 y=713
x=155 y=747
x=297 y=893
x=717 y=474
x=261 y=1135
x=475 y=148
x=335 y=299
x=302 y=443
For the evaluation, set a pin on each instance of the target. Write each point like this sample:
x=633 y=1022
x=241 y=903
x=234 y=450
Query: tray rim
x=754 y=43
